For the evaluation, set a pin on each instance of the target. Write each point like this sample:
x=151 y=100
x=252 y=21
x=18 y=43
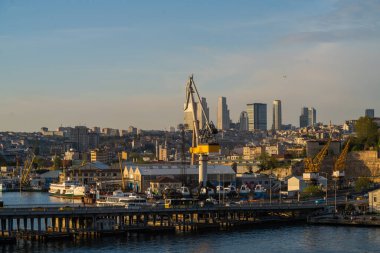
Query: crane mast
x=204 y=141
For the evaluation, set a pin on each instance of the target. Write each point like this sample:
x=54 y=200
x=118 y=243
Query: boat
x=184 y=191
x=129 y=202
x=259 y=191
x=69 y=189
x=220 y=190
x=3 y=187
x=230 y=190
x=244 y=190
x=208 y=190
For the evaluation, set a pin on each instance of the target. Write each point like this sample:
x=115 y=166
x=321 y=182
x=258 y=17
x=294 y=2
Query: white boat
x=230 y=189
x=244 y=190
x=129 y=202
x=259 y=191
x=3 y=187
x=209 y=191
x=220 y=190
x=68 y=189
x=184 y=191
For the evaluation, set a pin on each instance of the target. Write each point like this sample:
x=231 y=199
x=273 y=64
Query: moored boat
x=68 y=189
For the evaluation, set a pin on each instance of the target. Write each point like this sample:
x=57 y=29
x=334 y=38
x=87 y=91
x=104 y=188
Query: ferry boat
x=131 y=202
x=68 y=189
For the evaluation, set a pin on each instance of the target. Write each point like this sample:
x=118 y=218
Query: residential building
x=103 y=156
x=277 y=115
x=79 y=137
x=374 y=201
x=223 y=117
x=250 y=153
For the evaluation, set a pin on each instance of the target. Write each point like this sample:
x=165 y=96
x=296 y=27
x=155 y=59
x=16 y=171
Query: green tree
x=367 y=133
x=57 y=163
x=312 y=191
x=362 y=184
x=267 y=162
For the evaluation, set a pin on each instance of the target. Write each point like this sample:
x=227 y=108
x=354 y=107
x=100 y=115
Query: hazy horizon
x=121 y=63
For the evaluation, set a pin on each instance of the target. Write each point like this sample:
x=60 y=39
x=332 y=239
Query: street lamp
x=326 y=184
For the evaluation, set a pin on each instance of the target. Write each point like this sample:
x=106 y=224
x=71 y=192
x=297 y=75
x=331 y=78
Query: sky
x=119 y=63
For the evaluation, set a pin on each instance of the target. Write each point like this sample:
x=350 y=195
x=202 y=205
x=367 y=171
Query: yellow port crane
x=313 y=165
x=24 y=177
x=204 y=141
x=338 y=170
x=119 y=155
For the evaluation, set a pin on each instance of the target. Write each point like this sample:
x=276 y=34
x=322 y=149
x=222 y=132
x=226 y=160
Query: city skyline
x=120 y=63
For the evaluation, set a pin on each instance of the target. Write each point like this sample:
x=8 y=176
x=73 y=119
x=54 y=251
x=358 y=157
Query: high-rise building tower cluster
x=254 y=118
x=308 y=117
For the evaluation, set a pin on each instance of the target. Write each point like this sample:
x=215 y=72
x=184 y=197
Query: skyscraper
x=277 y=115
x=370 y=113
x=304 y=118
x=312 y=120
x=243 y=121
x=223 y=117
x=257 y=116
x=308 y=117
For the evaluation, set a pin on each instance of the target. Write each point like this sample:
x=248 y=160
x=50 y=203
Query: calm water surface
x=284 y=239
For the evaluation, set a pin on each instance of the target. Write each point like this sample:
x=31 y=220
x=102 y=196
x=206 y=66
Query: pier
x=69 y=222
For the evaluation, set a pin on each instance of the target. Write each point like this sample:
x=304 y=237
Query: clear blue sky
x=120 y=63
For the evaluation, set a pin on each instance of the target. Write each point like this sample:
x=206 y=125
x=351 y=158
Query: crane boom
x=313 y=165
x=338 y=170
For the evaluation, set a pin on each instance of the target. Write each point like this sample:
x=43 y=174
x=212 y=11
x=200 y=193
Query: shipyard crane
x=338 y=170
x=204 y=141
x=24 y=177
x=119 y=155
x=313 y=165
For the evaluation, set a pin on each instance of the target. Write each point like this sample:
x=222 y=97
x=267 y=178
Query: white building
x=374 y=201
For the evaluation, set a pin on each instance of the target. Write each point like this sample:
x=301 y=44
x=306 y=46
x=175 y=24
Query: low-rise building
x=159 y=185
x=138 y=177
x=374 y=201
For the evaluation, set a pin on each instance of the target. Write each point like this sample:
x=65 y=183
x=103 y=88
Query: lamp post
x=270 y=188
x=326 y=184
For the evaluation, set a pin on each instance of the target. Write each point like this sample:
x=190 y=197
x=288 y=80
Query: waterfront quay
x=44 y=223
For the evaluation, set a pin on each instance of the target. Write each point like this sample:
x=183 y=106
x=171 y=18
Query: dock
x=52 y=223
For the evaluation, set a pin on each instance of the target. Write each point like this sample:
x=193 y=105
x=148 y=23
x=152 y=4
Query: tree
x=57 y=163
x=362 y=184
x=312 y=190
x=267 y=162
x=367 y=133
